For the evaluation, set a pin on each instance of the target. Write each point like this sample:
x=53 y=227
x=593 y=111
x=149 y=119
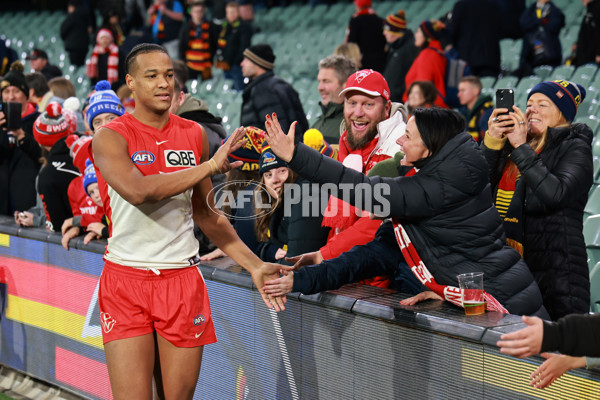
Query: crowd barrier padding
x=353 y=343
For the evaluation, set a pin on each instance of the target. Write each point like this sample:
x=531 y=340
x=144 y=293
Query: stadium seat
x=488 y=81
x=562 y=72
x=584 y=75
x=506 y=82
x=543 y=71
x=595 y=288
x=591 y=233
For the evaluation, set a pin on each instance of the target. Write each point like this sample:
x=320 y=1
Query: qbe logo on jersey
x=180 y=158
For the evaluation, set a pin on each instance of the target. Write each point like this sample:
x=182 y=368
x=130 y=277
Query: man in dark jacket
x=334 y=70
x=588 y=45
x=266 y=93
x=364 y=29
x=234 y=38
x=38 y=59
x=75 y=31
x=19 y=152
x=401 y=53
x=475 y=34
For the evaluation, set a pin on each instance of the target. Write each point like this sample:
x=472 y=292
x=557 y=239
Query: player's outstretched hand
x=281 y=144
x=269 y=271
x=281 y=286
x=524 y=342
x=220 y=162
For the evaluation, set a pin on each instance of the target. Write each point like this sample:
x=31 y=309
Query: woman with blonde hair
x=541 y=171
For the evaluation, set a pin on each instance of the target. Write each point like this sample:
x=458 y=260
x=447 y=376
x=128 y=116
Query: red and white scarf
x=450 y=293
x=112 y=74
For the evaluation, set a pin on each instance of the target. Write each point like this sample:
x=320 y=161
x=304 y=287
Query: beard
x=359 y=142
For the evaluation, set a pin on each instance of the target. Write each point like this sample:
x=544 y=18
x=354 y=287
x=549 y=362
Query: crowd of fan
x=47 y=179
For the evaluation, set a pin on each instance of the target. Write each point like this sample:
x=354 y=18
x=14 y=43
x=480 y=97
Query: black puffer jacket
x=447 y=210
x=557 y=182
x=268 y=94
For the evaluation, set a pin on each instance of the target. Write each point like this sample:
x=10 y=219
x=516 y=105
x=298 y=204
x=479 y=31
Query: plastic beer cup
x=472 y=285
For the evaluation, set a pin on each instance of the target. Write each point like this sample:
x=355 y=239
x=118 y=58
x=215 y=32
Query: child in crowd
x=50 y=130
x=104 y=62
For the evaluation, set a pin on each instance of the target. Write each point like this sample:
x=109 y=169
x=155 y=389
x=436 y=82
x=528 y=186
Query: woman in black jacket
x=444 y=204
x=541 y=170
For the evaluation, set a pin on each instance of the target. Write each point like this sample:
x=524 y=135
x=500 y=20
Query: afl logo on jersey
x=199 y=319
x=143 y=157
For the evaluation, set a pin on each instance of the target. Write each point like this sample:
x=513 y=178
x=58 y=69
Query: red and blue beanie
x=268 y=160
x=249 y=154
x=314 y=138
x=53 y=124
x=103 y=100
x=89 y=175
x=566 y=95
x=78 y=149
x=433 y=29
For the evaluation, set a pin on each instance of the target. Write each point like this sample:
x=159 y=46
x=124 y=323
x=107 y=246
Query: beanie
x=249 y=154
x=433 y=29
x=261 y=55
x=566 y=95
x=104 y=33
x=268 y=160
x=52 y=125
x=15 y=77
x=89 y=175
x=362 y=3
x=78 y=148
x=395 y=23
x=314 y=138
x=104 y=100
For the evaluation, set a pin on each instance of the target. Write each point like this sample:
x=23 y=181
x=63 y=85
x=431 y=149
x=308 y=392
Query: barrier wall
x=353 y=343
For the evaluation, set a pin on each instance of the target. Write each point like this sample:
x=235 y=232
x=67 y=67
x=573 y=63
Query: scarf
x=509 y=203
x=450 y=293
x=112 y=73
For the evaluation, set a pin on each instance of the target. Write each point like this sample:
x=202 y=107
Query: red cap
x=362 y=3
x=369 y=82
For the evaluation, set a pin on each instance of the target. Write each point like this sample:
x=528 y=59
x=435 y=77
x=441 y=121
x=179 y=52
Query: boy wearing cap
x=154 y=188
x=401 y=53
x=19 y=163
x=267 y=93
x=50 y=131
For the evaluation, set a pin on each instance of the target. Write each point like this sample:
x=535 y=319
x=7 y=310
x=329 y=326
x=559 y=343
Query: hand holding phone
x=505 y=98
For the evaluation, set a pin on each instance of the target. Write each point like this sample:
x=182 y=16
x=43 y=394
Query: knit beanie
x=395 y=23
x=104 y=33
x=53 y=124
x=261 y=55
x=362 y=3
x=268 y=160
x=15 y=77
x=104 y=100
x=566 y=95
x=78 y=148
x=433 y=29
x=89 y=175
x=250 y=152
x=314 y=138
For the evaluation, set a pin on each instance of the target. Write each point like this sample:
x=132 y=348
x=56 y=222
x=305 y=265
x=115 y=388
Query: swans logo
x=107 y=322
x=143 y=157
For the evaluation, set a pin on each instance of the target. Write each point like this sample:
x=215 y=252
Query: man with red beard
x=371 y=126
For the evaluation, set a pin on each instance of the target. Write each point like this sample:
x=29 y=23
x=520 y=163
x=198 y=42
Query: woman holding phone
x=541 y=171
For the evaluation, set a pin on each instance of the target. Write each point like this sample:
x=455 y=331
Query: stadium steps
x=19 y=386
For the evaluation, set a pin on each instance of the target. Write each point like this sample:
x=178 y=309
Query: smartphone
x=12 y=113
x=505 y=98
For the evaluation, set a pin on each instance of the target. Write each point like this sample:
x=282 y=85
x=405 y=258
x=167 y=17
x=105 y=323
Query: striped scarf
x=112 y=74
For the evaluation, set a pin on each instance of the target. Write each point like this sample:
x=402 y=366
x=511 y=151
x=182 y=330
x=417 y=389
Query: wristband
x=214 y=166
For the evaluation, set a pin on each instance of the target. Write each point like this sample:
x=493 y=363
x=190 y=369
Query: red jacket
x=82 y=204
x=429 y=65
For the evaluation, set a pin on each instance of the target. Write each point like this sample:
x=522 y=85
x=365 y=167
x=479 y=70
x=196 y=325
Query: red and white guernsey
x=154 y=235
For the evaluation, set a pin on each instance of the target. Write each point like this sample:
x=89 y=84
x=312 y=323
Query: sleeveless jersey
x=154 y=235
